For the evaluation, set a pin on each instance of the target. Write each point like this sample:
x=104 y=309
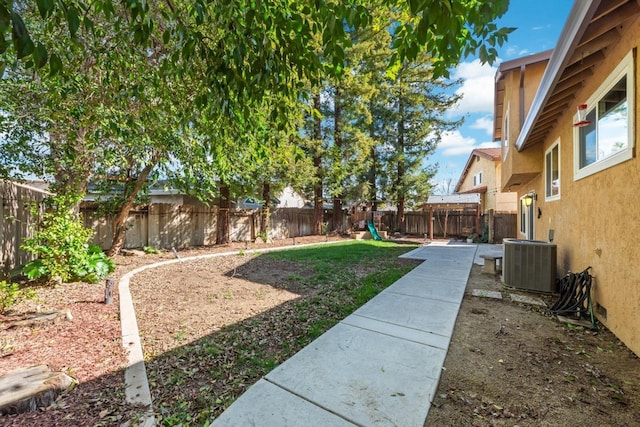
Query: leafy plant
x=96 y=265
x=10 y=294
x=150 y=250
x=60 y=243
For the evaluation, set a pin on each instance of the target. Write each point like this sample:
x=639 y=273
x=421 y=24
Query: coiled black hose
x=575 y=290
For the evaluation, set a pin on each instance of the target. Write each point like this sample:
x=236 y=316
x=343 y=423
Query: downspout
x=522 y=69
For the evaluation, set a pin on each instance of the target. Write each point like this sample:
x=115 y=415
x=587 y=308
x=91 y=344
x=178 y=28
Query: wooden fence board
x=15 y=223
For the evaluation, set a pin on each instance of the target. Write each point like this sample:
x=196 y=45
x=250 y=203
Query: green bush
x=10 y=294
x=60 y=243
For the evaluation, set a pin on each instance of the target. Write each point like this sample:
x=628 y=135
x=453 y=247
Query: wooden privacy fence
x=181 y=226
x=504 y=226
x=458 y=223
x=15 y=221
x=455 y=223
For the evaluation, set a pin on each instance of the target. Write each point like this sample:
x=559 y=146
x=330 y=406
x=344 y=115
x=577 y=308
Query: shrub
x=10 y=294
x=60 y=243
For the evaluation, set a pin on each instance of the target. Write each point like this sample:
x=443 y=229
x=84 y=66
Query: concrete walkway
x=379 y=366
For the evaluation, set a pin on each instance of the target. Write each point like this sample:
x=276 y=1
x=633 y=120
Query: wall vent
x=530 y=265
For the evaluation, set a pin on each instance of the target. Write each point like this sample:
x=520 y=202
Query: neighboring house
x=482 y=175
x=288 y=198
x=569 y=150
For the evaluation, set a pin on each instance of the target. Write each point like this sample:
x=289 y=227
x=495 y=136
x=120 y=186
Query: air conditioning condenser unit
x=530 y=265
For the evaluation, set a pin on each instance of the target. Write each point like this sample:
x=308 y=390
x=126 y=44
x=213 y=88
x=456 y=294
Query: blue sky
x=538 y=26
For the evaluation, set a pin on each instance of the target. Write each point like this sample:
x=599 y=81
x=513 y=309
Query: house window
x=608 y=138
x=477 y=179
x=552 y=172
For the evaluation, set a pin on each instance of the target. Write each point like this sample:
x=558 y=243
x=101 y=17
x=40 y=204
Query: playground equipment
x=373 y=231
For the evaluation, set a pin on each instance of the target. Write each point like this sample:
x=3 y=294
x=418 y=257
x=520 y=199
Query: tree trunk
x=222 y=235
x=337 y=140
x=318 y=208
x=400 y=189
x=120 y=220
x=73 y=163
x=373 y=177
x=265 y=212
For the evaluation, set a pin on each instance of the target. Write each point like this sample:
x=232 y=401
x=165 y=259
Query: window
x=552 y=172
x=608 y=138
x=505 y=135
x=477 y=179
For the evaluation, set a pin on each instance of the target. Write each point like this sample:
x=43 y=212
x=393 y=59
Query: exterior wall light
x=529 y=198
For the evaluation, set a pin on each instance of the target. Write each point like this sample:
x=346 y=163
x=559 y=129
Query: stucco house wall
x=594 y=219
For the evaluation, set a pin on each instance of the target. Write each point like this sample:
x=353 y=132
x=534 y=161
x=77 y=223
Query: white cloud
x=477 y=88
x=453 y=143
x=515 y=51
x=484 y=123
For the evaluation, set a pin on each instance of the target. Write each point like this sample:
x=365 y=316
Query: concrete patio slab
x=527 y=300
x=486 y=294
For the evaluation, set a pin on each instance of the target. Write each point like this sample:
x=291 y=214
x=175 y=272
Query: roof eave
x=577 y=22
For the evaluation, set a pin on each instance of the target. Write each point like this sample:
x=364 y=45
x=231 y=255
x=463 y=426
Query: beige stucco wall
x=518 y=168
x=505 y=201
x=596 y=220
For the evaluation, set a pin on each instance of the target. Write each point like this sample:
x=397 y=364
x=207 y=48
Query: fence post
x=492 y=218
x=108 y=291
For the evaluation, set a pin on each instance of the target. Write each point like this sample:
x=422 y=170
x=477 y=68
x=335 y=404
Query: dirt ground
x=508 y=363
x=514 y=364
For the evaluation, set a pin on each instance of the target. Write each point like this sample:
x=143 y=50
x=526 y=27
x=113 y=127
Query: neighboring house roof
x=487 y=153
x=453 y=199
x=39 y=186
x=591 y=27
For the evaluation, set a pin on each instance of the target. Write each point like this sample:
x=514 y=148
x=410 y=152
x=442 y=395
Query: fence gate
x=504 y=226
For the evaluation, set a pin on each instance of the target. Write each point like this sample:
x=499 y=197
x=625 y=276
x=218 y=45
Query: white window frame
x=549 y=153
x=505 y=134
x=625 y=67
x=477 y=179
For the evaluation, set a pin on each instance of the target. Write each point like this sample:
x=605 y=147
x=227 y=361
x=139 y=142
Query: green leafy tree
x=413 y=127
x=100 y=90
x=255 y=31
